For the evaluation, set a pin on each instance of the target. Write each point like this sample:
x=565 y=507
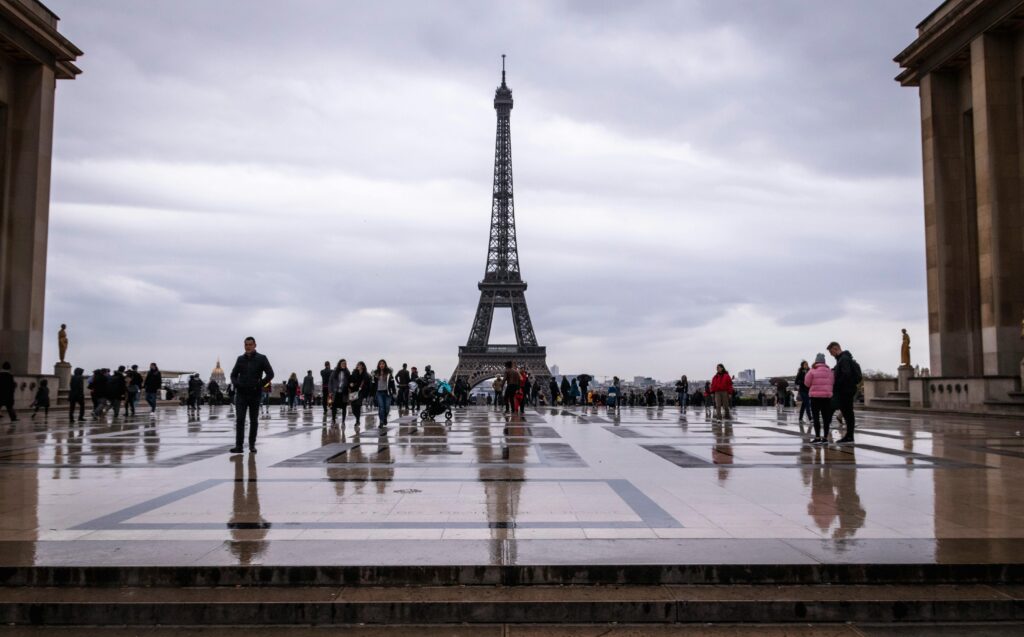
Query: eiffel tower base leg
x=477 y=364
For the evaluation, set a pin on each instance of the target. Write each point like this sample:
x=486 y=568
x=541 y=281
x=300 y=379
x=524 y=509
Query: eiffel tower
x=502 y=285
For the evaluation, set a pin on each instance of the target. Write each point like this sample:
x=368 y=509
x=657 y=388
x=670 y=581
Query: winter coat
x=307 y=385
x=116 y=387
x=42 y=397
x=845 y=383
x=359 y=381
x=800 y=383
x=251 y=372
x=818 y=381
x=153 y=381
x=339 y=381
x=721 y=382
x=390 y=381
x=565 y=386
x=325 y=378
x=77 y=389
x=292 y=386
x=553 y=387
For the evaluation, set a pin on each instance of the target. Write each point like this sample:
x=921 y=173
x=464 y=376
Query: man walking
x=511 y=386
x=325 y=385
x=847 y=378
x=307 y=389
x=251 y=371
x=152 y=385
x=403 y=378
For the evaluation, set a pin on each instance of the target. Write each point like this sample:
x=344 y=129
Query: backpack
x=855 y=371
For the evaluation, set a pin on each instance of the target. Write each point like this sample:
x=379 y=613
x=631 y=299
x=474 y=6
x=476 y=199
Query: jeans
x=682 y=399
x=133 y=398
x=821 y=410
x=151 y=399
x=291 y=401
x=805 y=403
x=246 y=402
x=383 y=406
x=403 y=396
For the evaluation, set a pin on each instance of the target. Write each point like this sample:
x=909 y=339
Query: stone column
x=23 y=237
x=950 y=226
x=1000 y=237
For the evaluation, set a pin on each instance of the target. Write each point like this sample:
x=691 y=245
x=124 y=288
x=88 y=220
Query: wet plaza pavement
x=558 y=486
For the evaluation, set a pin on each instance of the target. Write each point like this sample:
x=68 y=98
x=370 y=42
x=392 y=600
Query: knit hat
x=820 y=358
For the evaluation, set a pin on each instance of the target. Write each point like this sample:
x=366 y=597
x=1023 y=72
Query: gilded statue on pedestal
x=62 y=341
x=905 y=350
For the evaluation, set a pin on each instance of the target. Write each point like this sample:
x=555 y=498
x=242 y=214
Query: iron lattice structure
x=502 y=286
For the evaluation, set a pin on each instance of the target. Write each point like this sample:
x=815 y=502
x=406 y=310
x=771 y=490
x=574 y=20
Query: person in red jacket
x=721 y=388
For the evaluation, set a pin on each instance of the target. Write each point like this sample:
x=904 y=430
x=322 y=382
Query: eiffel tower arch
x=502 y=286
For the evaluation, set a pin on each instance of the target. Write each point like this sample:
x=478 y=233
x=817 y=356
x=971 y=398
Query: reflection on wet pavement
x=576 y=485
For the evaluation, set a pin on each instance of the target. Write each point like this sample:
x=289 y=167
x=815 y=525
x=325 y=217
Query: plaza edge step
x=510 y=575
x=509 y=605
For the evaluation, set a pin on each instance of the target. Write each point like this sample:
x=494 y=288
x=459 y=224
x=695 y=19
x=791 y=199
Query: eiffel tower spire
x=502 y=285
x=502 y=251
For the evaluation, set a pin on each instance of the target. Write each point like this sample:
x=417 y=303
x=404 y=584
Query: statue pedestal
x=63 y=373
x=903 y=376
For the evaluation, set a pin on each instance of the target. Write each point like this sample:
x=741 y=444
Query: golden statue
x=905 y=350
x=62 y=341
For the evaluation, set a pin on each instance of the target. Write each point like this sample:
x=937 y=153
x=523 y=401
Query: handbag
x=353 y=396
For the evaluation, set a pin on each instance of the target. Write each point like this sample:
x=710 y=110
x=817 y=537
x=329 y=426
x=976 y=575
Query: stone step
x=510 y=605
x=535 y=575
x=892 y=401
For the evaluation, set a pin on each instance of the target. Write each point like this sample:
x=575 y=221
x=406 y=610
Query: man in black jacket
x=76 y=395
x=325 y=384
x=403 y=379
x=117 y=390
x=7 y=385
x=844 y=387
x=251 y=371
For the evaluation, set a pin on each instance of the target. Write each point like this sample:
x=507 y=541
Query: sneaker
x=251 y=450
x=235 y=450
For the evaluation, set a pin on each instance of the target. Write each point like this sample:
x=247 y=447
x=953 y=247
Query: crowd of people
x=822 y=391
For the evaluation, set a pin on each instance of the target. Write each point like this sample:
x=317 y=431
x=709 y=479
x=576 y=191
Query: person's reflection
x=502 y=483
x=851 y=511
x=150 y=441
x=383 y=471
x=721 y=451
x=248 y=528
x=834 y=495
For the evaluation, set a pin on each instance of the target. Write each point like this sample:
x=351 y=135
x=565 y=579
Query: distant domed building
x=217 y=376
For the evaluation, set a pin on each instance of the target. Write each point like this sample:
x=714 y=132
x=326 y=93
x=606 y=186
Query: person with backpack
x=847 y=378
x=819 y=380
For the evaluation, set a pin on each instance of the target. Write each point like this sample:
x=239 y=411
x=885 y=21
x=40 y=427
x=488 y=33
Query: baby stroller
x=437 y=396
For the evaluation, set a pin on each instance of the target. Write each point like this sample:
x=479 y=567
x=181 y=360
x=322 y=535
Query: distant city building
x=554 y=370
x=746 y=376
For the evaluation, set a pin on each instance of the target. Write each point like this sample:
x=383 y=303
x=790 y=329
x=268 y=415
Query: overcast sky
x=696 y=182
